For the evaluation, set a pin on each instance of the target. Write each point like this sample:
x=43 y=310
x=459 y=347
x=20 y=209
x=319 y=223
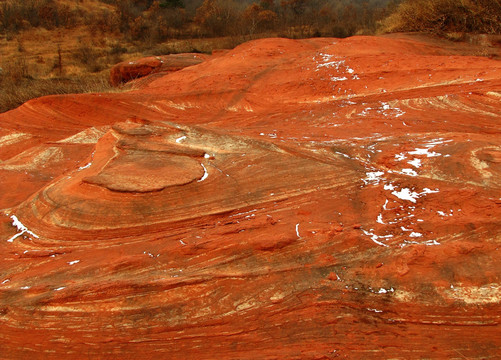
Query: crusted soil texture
x=288 y=199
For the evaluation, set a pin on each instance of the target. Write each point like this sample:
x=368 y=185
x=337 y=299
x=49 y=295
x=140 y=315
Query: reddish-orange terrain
x=288 y=199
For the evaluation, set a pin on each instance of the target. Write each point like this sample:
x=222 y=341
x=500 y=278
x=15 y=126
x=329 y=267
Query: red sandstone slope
x=307 y=199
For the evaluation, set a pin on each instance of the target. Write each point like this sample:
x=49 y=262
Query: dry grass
x=40 y=62
x=28 y=88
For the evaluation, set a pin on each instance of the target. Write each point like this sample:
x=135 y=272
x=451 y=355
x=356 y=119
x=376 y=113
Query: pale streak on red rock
x=308 y=199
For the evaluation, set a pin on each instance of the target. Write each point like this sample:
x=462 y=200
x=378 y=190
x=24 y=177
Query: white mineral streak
x=206 y=174
x=20 y=227
x=406 y=194
x=373 y=177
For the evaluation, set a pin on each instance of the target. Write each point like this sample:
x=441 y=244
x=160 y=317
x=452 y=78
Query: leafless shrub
x=446 y=16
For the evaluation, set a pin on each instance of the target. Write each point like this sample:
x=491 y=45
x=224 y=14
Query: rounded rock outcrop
x=127 y=71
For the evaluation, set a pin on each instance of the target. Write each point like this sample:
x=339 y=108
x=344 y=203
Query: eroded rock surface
x=308 y=199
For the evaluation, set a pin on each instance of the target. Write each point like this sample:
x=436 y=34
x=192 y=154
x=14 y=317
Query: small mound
x=137 y=171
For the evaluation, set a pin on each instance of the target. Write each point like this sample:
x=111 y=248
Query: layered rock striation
x=290 y=199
